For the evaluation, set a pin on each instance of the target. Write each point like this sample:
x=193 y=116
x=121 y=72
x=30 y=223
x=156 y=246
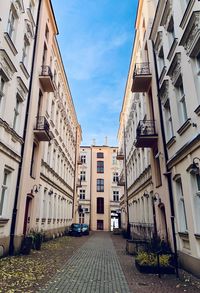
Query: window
x=196 y=200
x=81 y=218
x=82 y=176
x=33 y=161
x=100 y=185
x=171 y=33
x=47 y=32
x=16 y=113
x=4 y=190
x=168 y=120
x=100 y=205
x=157 y=170
x=100 y=155
x=115 y=177
x=83 y=159
x=115 y=195
x=52 y=110
x=82 y=194
x=2 y=86
x=25 y=52
x=100 y=167
x=181 y=102
x=11 y=24
x=181 y=207
x=114 y=160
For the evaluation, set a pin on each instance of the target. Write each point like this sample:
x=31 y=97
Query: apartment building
x=145 y=203
x=18 y=21
x=45 y=188
x=98 y=191
x=176 y=38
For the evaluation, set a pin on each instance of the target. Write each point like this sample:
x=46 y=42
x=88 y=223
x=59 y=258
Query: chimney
x=94 y=141
x=106 y=141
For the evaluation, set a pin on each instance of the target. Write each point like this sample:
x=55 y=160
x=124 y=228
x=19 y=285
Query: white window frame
x=82 y=175
x=116 y=195
x=4 y=192
x=82 y=194
x=182 y=217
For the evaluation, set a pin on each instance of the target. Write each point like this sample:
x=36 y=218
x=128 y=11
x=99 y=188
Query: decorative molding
x=167 y=14
x=191 y=37
x=175 y=68
x=158 y=42
x=186 y=13
x=24 y=70
x=197 y=110
x=22 y=90
x=3 y=222
x=10 y=43
x=12 y=132
x=164 y=92
x=7 y=67
x=162 y=75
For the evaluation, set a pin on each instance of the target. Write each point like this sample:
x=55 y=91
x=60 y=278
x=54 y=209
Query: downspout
x=125 y=187
x=168 y=173
x=14 y=213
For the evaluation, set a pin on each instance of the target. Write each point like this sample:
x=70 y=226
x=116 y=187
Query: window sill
x=184 y=127
x=171 y=141
x=3 y=222
x=184 y=235
x=197 y=236
x=10 y=44
x=197 y=110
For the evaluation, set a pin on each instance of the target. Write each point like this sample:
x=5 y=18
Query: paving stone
x=94 y=268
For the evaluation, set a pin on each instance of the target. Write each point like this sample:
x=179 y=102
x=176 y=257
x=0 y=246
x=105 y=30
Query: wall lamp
x=35 y=189
x=195 y=167
x=157 y=197
x=146 y=194
x=50 y=192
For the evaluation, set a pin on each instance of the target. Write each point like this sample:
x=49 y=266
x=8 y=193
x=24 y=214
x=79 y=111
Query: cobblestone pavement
x=147 y=283
x=94 y=268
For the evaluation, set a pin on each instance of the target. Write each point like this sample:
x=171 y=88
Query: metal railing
x=42 y=123
x=142 y=230
x=46 y=71
x=146 y=128
x=142 y=69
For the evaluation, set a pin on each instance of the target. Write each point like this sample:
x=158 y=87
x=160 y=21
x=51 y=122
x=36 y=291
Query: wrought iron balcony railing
x=141 y=77
x=42 y=129
x=146 y=135
x=46 y=79
x=141 y=69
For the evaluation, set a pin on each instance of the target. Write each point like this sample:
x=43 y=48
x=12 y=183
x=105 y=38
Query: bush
x=150 y=259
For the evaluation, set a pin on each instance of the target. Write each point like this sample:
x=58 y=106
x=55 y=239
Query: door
x=99 y=224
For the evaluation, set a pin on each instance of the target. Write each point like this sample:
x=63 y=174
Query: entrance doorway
x=27 y=214
x=99 y=224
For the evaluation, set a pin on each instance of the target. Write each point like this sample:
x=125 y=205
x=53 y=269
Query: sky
x=95 y=39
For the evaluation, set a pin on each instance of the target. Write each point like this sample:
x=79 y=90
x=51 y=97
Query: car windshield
x=76 y=225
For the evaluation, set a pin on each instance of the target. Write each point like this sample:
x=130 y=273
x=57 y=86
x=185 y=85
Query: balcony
x=41 y=130
x=120 y=156
x=141 y=77
x=46 y=79
x=121 y=181
x=78 y=184
x=79 y=162
x=146 y=136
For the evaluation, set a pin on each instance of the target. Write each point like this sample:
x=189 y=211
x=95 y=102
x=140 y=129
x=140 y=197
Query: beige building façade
x=43 y=190
x=98 y=192
x=159 y=128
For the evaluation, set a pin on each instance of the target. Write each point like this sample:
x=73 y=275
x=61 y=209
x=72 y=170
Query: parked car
x=75 y=230
x=85 y=229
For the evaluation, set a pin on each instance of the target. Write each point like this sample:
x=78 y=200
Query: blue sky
x=95 y=38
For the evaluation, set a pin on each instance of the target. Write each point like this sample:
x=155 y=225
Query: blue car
x=75 y=230
x=85 y=229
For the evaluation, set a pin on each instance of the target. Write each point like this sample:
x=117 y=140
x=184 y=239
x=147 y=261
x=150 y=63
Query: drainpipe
x=168 y=173
x=14 y=213
x=75 y=169
x=125 y=187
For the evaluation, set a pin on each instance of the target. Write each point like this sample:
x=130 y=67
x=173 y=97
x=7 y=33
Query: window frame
x=100 y=185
